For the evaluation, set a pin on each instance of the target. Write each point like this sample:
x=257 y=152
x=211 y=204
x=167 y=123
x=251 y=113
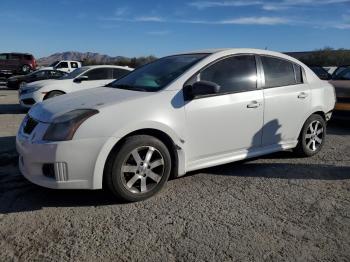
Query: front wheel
x=312 y=136
x=139 y=169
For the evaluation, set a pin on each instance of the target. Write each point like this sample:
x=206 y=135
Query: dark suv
x=16 y=63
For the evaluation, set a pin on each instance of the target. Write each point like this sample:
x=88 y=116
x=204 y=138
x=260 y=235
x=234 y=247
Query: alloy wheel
x=314 y=135
x=142 y=169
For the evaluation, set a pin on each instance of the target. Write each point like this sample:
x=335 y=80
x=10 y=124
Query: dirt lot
x=275 y=208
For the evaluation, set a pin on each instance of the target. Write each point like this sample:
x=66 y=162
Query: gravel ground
x=275 y=208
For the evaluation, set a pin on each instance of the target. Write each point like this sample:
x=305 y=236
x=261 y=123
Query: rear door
x=287 y=100
x=14 y=61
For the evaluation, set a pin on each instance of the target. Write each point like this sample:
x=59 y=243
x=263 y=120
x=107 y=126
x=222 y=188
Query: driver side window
x=233 y=74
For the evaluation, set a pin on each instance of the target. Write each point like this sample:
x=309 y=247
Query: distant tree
x=124 y=61
x=327 y=57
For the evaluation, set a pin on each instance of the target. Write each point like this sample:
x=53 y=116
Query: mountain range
x=79 y=56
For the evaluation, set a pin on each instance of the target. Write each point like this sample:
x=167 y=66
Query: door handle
x=254 y=104
x=302 y=95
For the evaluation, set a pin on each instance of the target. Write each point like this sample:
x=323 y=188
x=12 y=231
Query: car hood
x=15 y=78
x=43 y=83
x=96 y=98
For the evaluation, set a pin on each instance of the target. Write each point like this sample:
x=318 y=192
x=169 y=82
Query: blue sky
x=162 y=27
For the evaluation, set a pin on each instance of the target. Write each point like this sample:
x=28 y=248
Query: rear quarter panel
x=323 y=96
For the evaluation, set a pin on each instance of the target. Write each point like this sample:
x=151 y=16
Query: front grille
x=29 y=125
x=49 y=170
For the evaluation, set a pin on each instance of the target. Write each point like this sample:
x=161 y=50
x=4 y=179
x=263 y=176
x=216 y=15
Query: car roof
x=110 y=66
x=232 y=51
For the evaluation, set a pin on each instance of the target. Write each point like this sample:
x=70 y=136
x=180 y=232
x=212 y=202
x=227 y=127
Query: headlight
x=30 y=90
x=64 y=127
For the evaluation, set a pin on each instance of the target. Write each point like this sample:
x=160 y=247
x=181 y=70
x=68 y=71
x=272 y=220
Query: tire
x=130 y=175
x=53 y=94
x=312 y=136
x=25 y=69
x=21 y=84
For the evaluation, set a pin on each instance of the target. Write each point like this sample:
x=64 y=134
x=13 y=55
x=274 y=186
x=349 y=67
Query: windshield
x=54 y=64
x=75 y=73
x=158 y=74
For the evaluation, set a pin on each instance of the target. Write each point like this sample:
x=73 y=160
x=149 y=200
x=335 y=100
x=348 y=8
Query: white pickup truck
x=64 y=65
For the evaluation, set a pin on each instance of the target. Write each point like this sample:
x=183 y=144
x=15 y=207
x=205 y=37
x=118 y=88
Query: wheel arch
x=111 y=147
x=317 y=111
x=51 y=91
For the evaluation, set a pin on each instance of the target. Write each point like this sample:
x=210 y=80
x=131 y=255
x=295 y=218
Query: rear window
x=28 y=57
x=280 y=72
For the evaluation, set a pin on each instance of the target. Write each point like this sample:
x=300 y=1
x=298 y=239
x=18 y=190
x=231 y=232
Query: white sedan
x=177 y=114
x=80 y=79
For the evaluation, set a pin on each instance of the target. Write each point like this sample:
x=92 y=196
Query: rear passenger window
x=119 y=73
x=298 y=74
x=278 y=72
x=98 y=74
x=233 y=74
x=73 y=64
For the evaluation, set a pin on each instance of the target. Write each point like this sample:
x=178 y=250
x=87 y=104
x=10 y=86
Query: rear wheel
x=139 y=169
x=53 y=94
x=312 y=136
x=25 y=69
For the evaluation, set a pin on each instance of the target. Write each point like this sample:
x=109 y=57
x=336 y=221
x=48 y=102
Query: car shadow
x=7 y=147
x=12 y=109
x=280 y=170
x=19 y=195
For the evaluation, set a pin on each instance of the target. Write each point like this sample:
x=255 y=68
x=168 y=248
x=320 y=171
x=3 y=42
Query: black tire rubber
x=53 y=94
x=20 y=84
x=302 y=150
x=113 y=175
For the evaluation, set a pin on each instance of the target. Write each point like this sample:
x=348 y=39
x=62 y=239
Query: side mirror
x=80 y=79
x=202 y=88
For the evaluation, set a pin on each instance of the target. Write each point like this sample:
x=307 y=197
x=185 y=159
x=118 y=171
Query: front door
x=228 y=122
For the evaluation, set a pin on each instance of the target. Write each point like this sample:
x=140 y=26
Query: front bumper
x=73 y=161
